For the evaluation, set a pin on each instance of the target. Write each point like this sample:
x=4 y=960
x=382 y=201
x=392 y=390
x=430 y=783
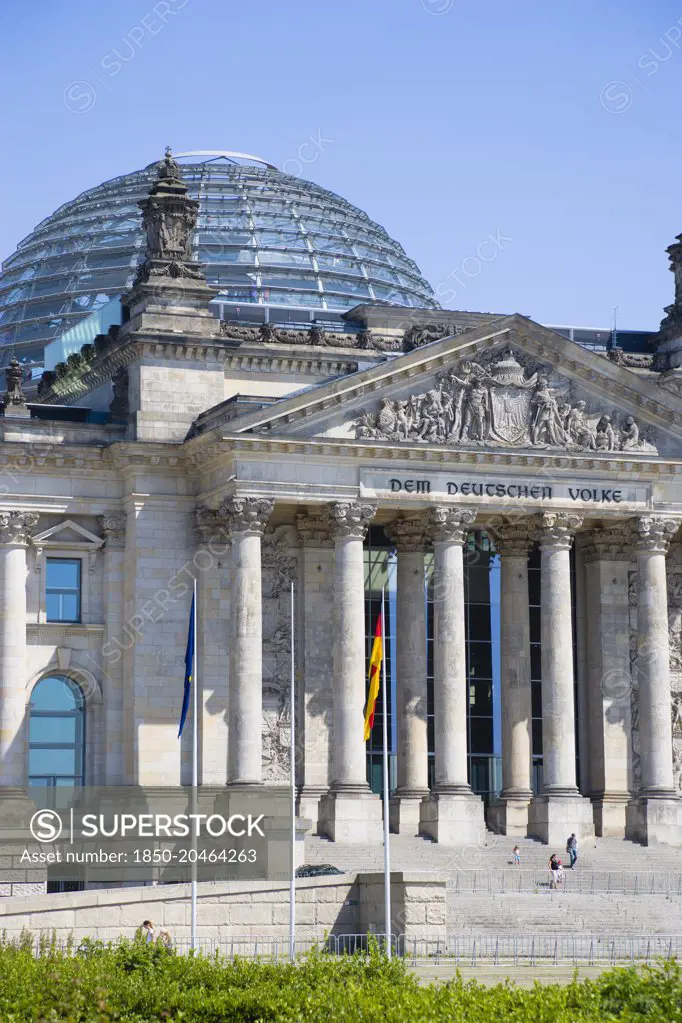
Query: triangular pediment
x=67 y=534
x=511 y=384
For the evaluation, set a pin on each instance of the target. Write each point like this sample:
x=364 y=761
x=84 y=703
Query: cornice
x=280 y=358
x=209 y=448
x=635 y=393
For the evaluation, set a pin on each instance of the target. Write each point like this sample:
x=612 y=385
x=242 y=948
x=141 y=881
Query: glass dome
x=268 y=239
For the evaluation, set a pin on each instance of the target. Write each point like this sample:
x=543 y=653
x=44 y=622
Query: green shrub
x=132 y=982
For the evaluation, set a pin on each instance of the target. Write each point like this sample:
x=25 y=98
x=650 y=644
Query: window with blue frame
x=63 y=589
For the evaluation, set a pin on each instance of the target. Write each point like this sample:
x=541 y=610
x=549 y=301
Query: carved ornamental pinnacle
x=16 y=526
x=15 y=399
x=557 y=529
x=247 y=514
x=351 y=518
x=653 y=533
x=500 y=403
x=449 y=525
x=169 y=217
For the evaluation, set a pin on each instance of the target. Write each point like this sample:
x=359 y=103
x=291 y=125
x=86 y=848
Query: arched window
x=56 y=733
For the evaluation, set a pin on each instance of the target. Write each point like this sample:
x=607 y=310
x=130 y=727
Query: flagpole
x=195 y=768
x=384 y=730
x=292 y=755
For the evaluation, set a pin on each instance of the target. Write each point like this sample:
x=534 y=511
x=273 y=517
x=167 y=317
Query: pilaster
x=113 y=527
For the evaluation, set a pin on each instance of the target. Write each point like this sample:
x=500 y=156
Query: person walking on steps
x=516 y=853
x=572 y=850
x=554 y=870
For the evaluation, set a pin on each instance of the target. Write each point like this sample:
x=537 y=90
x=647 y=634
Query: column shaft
x=653 y=668
x=349 y=766
x=247 y=518
x=449 y=667
x=558 y=701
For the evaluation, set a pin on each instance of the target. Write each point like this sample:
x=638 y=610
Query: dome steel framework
x=268 y=239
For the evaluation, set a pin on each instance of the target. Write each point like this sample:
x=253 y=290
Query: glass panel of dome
x=288 y=281
x=291 y=298
x=382 y=273
x=376 y=254
x=222 y=254
x=322 y=244
x=247 y=294
x=218 y=237
x=346 y=287
x=270 y=257
x=281 y=240
x=389 y=294
x=261 y=220
x=338 y=263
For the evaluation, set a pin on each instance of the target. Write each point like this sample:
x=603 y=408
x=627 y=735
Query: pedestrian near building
x=554 y=867
x=516 y=853
x=572 y=850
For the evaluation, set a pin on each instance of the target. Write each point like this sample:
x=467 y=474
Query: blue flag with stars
x=189 y=670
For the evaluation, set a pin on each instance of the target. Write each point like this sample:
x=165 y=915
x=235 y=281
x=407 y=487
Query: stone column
x=349 y=812
x=15 y=529
x=559 y=806
x=247 y=517
x=113 y=528
x=409 y=537
x=658 y=815
x=316 y=632
x=607 y=755
x=513 y=542
x=451 y=814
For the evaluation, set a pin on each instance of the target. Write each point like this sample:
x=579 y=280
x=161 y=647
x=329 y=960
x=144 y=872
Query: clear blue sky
x=451 y=120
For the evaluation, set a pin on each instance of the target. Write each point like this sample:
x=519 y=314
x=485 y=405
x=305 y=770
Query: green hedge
x=135 y=983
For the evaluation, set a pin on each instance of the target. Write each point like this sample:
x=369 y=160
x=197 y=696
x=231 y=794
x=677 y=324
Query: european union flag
x=189 y=670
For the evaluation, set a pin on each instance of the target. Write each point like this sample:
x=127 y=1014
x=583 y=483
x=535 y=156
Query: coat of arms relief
x=502 y=402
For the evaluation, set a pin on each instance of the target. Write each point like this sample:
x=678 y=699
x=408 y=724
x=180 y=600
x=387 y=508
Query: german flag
x=374 y=670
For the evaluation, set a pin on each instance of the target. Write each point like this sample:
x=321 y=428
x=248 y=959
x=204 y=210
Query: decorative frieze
x=499 y=402
x=16 y=526
x=210 y=526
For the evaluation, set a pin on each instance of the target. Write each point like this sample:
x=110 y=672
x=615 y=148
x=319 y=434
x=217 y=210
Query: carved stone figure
x=498 y=403
x=169 y=217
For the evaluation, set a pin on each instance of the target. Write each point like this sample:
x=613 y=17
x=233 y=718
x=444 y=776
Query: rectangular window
x=63 y=589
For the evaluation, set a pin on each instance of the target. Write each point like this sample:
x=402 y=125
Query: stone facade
x=503 y=426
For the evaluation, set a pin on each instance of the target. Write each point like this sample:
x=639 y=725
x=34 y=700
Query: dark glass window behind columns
x=482 y=606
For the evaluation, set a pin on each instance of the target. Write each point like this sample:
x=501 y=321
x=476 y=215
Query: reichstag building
x=217 y=371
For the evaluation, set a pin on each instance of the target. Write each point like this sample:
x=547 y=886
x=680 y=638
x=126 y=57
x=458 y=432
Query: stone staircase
x=617 y=888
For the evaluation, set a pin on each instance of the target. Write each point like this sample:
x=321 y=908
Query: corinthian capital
x=408 y=534
x=445 y=523
x=210 y=526
x=654 y=533
x=16 y=526
x=351 y=518
x=557 y=529
x=113 y=527
x=314 y=528
x=514 y=539
x=247 y=514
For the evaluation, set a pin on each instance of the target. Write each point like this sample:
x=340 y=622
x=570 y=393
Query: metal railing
x=469 y=950
x=579 y=881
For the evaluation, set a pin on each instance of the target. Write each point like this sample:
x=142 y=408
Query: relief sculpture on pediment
x=501 y=403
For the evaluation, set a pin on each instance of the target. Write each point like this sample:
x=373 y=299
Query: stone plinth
x=553 y=817
x=453 y=818
x=418 y=907
x=651 y=820
x=351 y=817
